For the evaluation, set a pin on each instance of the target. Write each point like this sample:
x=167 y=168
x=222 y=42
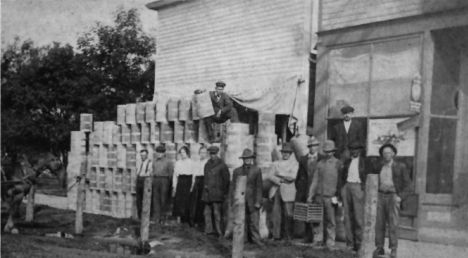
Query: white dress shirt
x=146 y=168
x=183 y=167
x=353 y=171
x=347 y=124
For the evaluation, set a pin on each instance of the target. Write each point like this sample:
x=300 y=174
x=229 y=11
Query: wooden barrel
x=131 y=156
x=150 y=112
x=266 y=129
x=194 y=151
x=93 y=178
x=98 y=128
x=193 y=109
x=121 y=156
x=126 y=133
x=140 y=112
x=78 y=142
x=238 y=129
x=86 y=122
x=125 y=186
x=167 y=132
x=95 y=155
x=173 y=110
x=189 y=132
x=161 y=110
x=101 y=179
x=299 y=145
x=266 y=118
x=128 y=204
x=136 y=133
x=121 y=205
x=112 y=156
x=103 y=156
x=121 y=110
x=179 y=131
x=109 y=178
x=185 y=112
x=263 y=158
x=107 y=132
x=171 y=152
x=117 y=180
x=203 y=105
x=113 y=210
x=145 y=133
x=202 y=133
x=130 y=114
x=116 y=134
x=155 y=133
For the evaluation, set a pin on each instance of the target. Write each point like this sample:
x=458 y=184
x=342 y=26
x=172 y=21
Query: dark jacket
x=362 y=172
x=342 y=139
x=224 y=104
x=254 y=188
x=304 y=177
x=216 y=181
x=400 y=176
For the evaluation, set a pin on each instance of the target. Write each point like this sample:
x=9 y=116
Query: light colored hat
x=312 y=141
x=329 y=145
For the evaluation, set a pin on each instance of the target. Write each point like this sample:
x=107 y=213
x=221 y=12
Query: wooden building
x=403 y=65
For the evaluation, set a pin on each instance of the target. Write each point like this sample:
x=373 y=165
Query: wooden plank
x=239 y=217
x=146 y=209
x=370 y=216
x=30 y=204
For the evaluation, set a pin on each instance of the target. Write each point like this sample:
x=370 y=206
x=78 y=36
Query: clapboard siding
x=345 y=13
x=244 y=43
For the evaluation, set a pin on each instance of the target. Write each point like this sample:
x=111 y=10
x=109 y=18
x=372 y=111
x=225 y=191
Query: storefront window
x=441 y=155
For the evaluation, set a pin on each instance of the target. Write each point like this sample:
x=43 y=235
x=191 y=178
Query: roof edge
x=160 y=4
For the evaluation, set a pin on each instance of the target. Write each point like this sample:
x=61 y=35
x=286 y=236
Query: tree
x=44 y=89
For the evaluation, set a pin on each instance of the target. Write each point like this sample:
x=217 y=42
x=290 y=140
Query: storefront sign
x=415 y=104
x=382 y=131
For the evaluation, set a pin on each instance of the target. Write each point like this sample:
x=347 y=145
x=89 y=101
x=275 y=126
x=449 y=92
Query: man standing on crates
x=163 y=169
x=145 y=170
x=324 y=191
x=305 y=174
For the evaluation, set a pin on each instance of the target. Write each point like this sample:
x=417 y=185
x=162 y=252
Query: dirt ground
x=110 y=237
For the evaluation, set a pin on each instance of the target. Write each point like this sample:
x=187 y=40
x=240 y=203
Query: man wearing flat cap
x=223 y=108
x=394 y=186
x=346 y=132
x=145 y=170
x=215 y=191
x=163 y=169
x=352 y=185
x=305 y=174
x=253 y=195
x=283 y=192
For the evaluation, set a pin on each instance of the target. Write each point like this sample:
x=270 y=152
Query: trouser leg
x=209 y=127
x=217 y=206
x=156 y=200
x=140 y=184
x=276 y=216
x=164 y=187
x=329 y=219
x=208 y=220
x=318 y=226
x=254 y=225
x=348 y=215
x=308 y=233
x=358 y=220
x=393 y=219
x=288 y=219
x=380 y=221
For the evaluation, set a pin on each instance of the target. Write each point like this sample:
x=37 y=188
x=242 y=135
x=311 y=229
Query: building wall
x=338 y=14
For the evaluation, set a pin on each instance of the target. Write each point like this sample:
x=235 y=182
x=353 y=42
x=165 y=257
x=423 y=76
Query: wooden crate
x=308 y=212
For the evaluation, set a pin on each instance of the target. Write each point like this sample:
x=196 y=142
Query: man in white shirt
x=145 y=170
x=352 y=183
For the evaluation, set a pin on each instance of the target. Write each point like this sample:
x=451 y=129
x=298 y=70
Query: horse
x=23 y=176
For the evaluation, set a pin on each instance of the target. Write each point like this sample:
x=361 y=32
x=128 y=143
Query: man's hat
x=220 y=84
x=347 y=109
x=213 y=149
x=329 y=146
x=286 y=148
x=355 y=145
x=387 y=145
x=161 y=149
x=247 y=153
x=312 y=141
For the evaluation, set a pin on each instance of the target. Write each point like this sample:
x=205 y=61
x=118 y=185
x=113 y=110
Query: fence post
x=239 y=217
x=146 y=209
x=370 y=216
x=30 y=204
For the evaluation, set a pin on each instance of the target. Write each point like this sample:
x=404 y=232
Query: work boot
x=393 y=253
x=317 y=244
x=378 y=252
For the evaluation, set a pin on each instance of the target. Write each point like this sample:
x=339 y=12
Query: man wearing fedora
x=394 y=186
x=305 y=174
x=352 y=185
x=283 y=192
x=346 y=132
x=324 y=191
x=216 y=190
x=253 y=195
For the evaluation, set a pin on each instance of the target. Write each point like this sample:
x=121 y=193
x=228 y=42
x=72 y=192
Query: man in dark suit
x=394 y=186
x=223 y=108
x=352 y=185
x=253 y=195
x=346 y=132
x=305 y=174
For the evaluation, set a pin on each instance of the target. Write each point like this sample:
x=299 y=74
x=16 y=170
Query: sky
x=46 y=21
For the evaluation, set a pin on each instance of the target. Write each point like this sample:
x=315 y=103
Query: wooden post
x=239 y=217
x=30 y=204
x=79 y=198
x=370 y=216
x=146 y=209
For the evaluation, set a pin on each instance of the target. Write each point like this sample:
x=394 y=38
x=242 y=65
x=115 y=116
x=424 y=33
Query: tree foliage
x=44 y=89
